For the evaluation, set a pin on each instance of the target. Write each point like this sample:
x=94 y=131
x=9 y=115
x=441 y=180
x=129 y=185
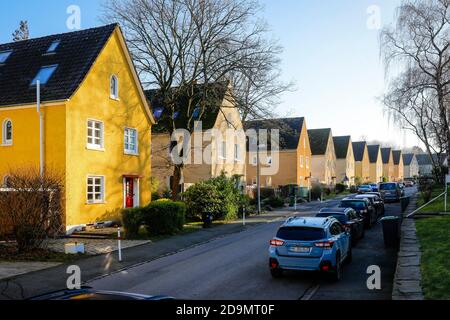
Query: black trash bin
x=391 y=231
x=404 y=202
x=207 y=220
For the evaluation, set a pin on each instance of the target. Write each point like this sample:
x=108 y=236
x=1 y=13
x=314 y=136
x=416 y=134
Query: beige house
x=398 y=165
x=212 y=149
x=291 y=164
x=376 y=164
x=323 y=167
x=410 y=165
x=362 y=163
x=388 y=164
x=345 y=160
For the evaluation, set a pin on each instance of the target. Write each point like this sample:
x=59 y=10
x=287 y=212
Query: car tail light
x=326 y=267
x=325 y=244
x=276 y=243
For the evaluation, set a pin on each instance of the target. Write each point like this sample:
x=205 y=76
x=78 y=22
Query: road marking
x=310 y=292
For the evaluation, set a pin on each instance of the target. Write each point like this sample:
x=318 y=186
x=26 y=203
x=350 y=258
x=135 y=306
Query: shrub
x=132 y=221
x=340 y=187
x=316 y=191
x=274 y=202
x=353 y=189
x=32 y=210
x=327 y=191
x=164 y=217
x=201 y=198
x=266 y=193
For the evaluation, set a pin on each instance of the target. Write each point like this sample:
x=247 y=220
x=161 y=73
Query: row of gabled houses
x=107 y=137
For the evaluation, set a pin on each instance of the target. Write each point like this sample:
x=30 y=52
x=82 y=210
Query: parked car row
x=325 y=242
x=389 y=191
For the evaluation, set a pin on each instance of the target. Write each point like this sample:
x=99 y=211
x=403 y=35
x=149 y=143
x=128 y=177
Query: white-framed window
x=223 y=150
x=114 y=87
x=95 y=189
x=7 y=133
x=255 y=160
x=5 y=182
x=304 y=142
x=95 y=134
x=237 y=154
x=131 y=141
x=307 y=162
x=268 y=181
x=269 y=161
x=301 y=162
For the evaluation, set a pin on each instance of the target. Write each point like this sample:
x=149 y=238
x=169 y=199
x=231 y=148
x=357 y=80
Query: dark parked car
x=379 y=198
x=87 y=293
x=391 y=191
x=364 y=189
x=375 y=201
x=363 y=208
x=374 y=187
x=350 y=220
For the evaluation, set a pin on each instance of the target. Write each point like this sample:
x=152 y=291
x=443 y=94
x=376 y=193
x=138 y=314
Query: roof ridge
x=61 y=34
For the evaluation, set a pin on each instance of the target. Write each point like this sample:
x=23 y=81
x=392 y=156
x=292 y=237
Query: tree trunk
x=177 y=173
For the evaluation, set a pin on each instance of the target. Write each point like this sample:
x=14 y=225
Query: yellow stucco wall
x=92 y=101
x=24 y=151
x=376 y=170
x=346 y=167
x=323 y=169
x=362 y=168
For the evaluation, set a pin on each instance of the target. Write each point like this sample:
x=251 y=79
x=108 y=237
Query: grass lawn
x=435 y=207
x=334 y=195
x=434 y=238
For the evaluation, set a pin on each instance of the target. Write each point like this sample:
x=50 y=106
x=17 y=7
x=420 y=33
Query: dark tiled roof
x=386 y=155
x=358 y=150
x=423 y=159
x=373 y=150
x=289 y=128
x=397 y=154
x=74 y=56
x=318 y=140
x=216 y=91
x=341 y=146
x=441 y=159
x=408 y=158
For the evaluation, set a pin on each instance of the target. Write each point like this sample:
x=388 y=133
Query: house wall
x=304 y=159
x=346 y=167
x=376 y=170
x=411 y=170
x=323 y=169
x=92 y=101
x=362 y=168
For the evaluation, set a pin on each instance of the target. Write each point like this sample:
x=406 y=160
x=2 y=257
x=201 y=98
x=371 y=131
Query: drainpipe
x=41 y=128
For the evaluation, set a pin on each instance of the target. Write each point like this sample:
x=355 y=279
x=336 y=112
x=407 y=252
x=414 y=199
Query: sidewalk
x=407 y=280
x=39 y=282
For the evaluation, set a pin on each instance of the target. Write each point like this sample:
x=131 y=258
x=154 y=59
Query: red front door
x=129 y=192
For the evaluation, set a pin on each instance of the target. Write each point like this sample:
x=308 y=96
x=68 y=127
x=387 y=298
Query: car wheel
x=337 y=272
x=276 y=273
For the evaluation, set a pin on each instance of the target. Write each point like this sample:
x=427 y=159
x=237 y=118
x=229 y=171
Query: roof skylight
x=53 y=46
x=4 y=55
x=44 y=74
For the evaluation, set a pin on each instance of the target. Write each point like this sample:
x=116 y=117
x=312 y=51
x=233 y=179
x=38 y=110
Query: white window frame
x=302 y=162
x=307 y=162
x=114 y=92
x=95 y=146
x=237 y=153
x=7 y=142
x=94 y=184
x=255 y=160
x=136 y=142
x=223 y=150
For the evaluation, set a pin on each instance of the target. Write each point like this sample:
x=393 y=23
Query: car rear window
x=353 y=204
x=342 y=218
x=388 y=186
x=301 y=233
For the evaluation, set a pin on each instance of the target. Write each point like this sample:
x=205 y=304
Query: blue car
x=310 y=244
x=374 y=187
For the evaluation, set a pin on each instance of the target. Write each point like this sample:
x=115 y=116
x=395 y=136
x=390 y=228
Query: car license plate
x=298 y=249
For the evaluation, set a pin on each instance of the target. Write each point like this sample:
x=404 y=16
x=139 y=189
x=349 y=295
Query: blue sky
x=329 y=52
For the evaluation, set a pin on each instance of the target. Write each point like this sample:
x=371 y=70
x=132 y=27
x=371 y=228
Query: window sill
x=114 y=98
x=93 y=203
x=131 y=153
x=6 y=145
x=95 y=149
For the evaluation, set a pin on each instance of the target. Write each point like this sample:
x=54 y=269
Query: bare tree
x=184 y=48
x=22 y=33
x=31 y=207
x=418 y=46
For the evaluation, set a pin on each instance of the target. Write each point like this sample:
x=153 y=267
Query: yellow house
x=388 y=164
x=376 y=163
x=219 y=134
x=398 y=165
x=96 y=120
x=362 y=164
x=323 y=166
x=345 y=160
x=291 y=164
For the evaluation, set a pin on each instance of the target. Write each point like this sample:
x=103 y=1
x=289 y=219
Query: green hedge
x=164 y=217
x=132 y=221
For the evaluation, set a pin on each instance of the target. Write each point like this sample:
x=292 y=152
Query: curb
x=407 y=279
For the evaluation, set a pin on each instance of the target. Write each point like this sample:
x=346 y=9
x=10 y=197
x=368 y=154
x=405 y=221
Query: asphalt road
x=235 y=267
